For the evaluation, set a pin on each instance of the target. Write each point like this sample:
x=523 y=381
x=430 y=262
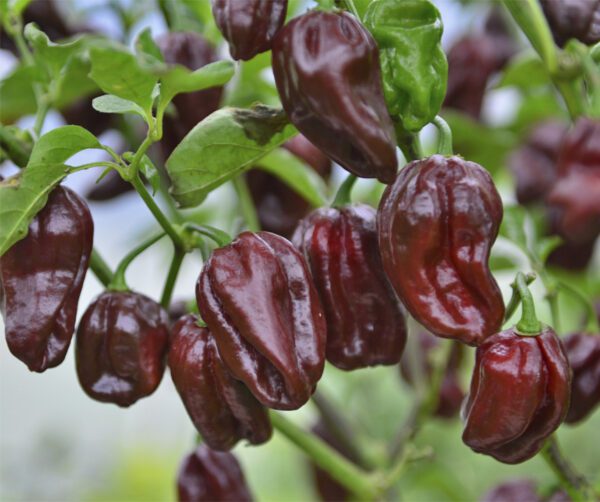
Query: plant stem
x=40 y=115
x=515 y=298
x=445 y=136
x=169 y=286
x=592 y=322
x=246 y=203
x=100 y=268
x=409 y=143
x=343 y=471
x=529 y=324
x=218 y=236
x=343 y=195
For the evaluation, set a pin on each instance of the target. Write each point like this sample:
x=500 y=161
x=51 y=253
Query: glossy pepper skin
x=41 y=278
x=365 y=319
x=436 y=225
x=326 y=68
x=519 y=394
x=211 y=476
x=579 y=19
x=192 y=51
x=222 y=408
x=279 y=208
x=260 y=304
x=249 y=25
x=413 y=64
x=451 y=394
x=580 y=150
x=121 y=347
x=583 y=352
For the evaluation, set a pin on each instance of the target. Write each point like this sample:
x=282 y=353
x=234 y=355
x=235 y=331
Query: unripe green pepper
x=413 y=64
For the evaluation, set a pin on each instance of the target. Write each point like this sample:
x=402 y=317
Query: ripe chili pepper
x=211 y=476
x=192 y=51
x=365 y=319
x=121 y=346
x=258 y=300
x=222 y=408
x=523 y=490
x=583 y=351
x=579 y=19
x=413 y=64
x=451 y=394
x=519 y=394
x=580 y=150
x=436 y=225
x=249 y=26
x=279 y=208
x=41 y=278
x=326 y=68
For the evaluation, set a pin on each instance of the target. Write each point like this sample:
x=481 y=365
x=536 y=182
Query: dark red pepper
x=579 y=19
x=519 y=394
x=121 y=347
x=437 y=223
x=365 y=319
x=521 y=490
x=249 y=25
x=41 y=278
x=326 y=67
x=583 y=351
x=279 y=208
x=451 y=394
x=222 y=408
x=258 y=300
x=211 y=476
x=580 y=150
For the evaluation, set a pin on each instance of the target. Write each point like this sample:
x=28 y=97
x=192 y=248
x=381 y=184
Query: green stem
x=135 y=162
x=218 y=236
x=343 y=471
x=409 y=143
x=246 y=203
x=40 y=115
x=592 y=323
x=343 y=195
x=515 y=298
x=169 y=286
x=529 y=324
x=118 y=282
x=100 y=268
x=445 y=136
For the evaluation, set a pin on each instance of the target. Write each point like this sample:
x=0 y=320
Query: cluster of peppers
x=273 y=310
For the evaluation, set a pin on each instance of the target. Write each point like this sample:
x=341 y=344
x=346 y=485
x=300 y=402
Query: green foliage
x=109 y=103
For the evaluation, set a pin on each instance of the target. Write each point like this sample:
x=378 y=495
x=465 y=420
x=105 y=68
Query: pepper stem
x=529 y=324
x=515 y=298
x=218 y=236
x=343 y=195
x=445 y=136
x=100 y=268
x=118 y=282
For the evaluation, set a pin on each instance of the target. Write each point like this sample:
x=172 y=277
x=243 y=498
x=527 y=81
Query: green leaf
x=251 y=86
x=513 y=226
x=299 y=176
x=14 y=7
x=147 y=50
x=26 y=193
x=16 y=93
x=526 y=73
x=114 y=104
x=150 y=173
x=220 y=147
x=118 y=72
x=546 y=245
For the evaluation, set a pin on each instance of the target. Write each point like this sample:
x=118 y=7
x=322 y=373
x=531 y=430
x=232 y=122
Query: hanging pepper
x=41 y=278
x=250 y=25
x=365 y=319
x=121 y=346
x=569 y=19
x=519 y=394
x=583 y=352
x=436 y=226
x=580 y=150
x=211 y=476
x=413 y=64
x=524 y=490
x=326 y=67
x=222 y=408
x=258 y=300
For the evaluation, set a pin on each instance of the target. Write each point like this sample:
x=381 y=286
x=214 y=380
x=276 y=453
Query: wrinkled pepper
x=436 y=225
x=41 y=278
x=260 y=304
x=583 y=352
x=579 y=19
x=519 y=394
x=250 y=25
x=211 y=476
x=580 y=150
x=413 y=64
x=121 y=347
x=326 y=67
x=365 y=319
x=222 y=408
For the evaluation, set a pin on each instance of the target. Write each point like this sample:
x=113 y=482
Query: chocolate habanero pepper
x=41 y=278
x=579 y=19
x=121 y=347
x=519 y=394
x=580 y=150
x=436 y=225
x=259 y=302
x=249 y=25
x=222 y=408
x=583 y=352
x=365 y=319
x=211 y=476
x=326 y=68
